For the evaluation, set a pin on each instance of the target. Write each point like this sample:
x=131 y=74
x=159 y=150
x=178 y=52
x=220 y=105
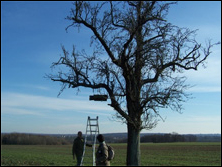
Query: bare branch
x=77 y=19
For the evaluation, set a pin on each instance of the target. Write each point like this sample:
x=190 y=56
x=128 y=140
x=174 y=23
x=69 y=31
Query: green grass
x=162 y=154
x=181 y=154
x=12 y=155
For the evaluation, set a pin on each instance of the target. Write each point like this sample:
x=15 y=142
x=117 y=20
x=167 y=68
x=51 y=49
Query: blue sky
x=31 y=37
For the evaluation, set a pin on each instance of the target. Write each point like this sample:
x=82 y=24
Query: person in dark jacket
x=102 y=152
x=77 y=148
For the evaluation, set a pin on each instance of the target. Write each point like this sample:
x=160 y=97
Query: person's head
x=79 y=134
x=100 y=138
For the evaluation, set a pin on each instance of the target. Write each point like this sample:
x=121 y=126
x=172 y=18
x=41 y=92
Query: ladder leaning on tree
x=92 y=130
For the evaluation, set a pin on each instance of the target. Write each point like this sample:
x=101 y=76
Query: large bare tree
x=137 y=57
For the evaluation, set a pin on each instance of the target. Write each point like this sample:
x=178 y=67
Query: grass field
x=163 y=154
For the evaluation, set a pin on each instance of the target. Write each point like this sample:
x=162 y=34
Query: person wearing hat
x=77 y=148
x=102 y=152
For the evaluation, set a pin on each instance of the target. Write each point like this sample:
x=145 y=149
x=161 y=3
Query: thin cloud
x=17 y=103
x=38 y=87
x=205 y=89
x=19 y=111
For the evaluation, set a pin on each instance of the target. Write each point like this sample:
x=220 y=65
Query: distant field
x=161 y=154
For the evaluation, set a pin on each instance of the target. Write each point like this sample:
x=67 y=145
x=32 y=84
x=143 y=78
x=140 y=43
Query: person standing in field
x=77 y=148
x=102 y=152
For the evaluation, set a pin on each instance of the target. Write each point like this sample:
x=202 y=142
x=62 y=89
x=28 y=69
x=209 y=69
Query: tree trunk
x=133 y=146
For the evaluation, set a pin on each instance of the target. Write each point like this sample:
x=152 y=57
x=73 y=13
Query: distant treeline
x=171 y=137
x=164 y=138
x=167 y=138
x=31 y=139
x=34 y=139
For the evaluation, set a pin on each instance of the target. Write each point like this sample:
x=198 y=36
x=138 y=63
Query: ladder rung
x=93 y=119
x=93 y=125
x=92 y=130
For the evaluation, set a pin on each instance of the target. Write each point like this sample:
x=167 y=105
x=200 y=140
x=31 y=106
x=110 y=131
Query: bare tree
x=136 y=60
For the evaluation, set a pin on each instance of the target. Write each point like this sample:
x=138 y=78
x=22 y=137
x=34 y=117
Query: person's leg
x=79 y=158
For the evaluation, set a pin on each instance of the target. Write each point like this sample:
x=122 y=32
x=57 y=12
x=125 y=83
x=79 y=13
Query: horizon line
x=108 y=133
